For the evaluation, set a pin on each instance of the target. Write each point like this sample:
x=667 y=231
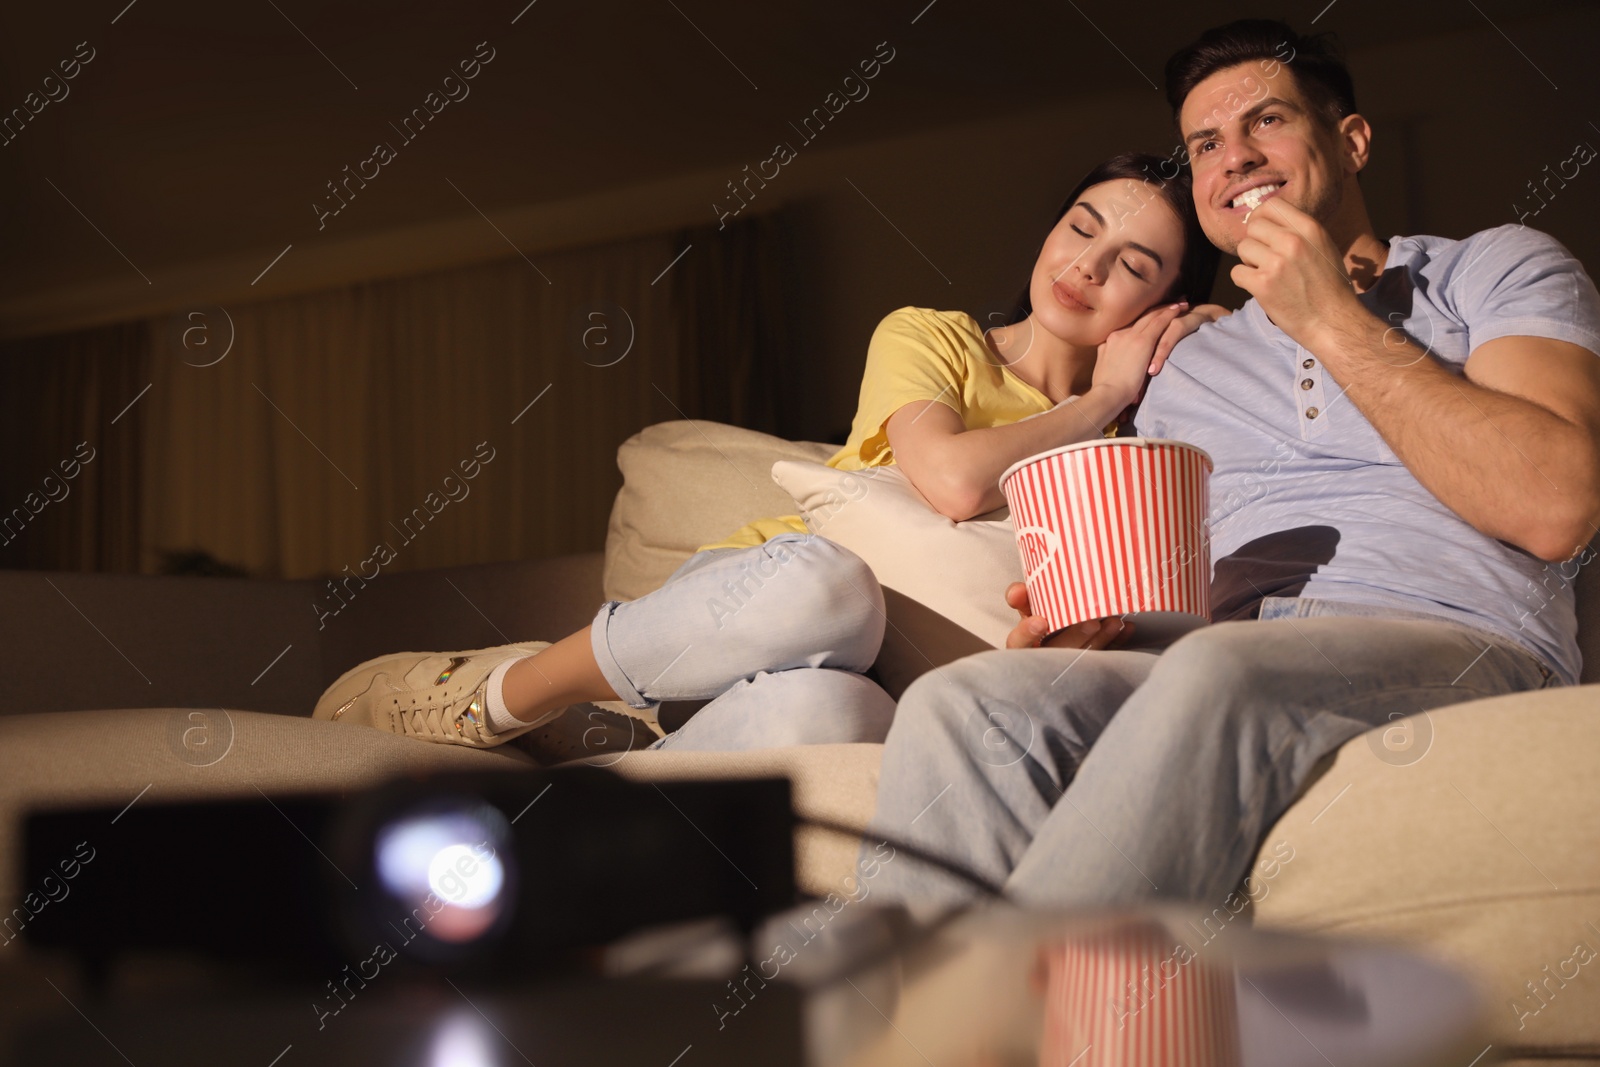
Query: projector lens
x=457 y=875
x=463 y=1041
x=447 y=865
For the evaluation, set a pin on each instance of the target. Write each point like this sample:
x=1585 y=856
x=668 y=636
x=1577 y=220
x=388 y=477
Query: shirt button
x=1308 y=364
x=1307 y=383
x=1311 y=413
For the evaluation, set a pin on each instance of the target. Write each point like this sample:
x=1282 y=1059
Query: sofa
x=1471 y=833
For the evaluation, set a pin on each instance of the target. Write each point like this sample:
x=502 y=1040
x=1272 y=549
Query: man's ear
x=1355 y=142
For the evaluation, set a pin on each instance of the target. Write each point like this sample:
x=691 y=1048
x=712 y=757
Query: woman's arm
x=958 y=469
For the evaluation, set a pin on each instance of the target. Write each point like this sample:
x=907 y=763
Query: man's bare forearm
x=1513 y=469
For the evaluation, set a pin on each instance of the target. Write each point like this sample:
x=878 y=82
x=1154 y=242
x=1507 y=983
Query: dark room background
x=234 y=336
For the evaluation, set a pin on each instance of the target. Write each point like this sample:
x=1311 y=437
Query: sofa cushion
x=687 y=484
x=957 y=569
x=1471 y=833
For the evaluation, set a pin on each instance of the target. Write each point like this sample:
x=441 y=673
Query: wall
x=1462 y=124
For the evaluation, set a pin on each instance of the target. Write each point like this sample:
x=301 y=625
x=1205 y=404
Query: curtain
x=723 y=329
x=466 y=415
x=69 y=432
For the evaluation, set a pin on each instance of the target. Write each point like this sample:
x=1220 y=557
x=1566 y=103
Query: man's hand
x=1291 y=266
x=1094 y=634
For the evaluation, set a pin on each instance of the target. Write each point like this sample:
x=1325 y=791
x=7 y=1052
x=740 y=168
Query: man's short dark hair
x=1318 y=68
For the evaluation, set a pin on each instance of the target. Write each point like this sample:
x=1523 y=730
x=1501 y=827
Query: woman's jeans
x=778 y=635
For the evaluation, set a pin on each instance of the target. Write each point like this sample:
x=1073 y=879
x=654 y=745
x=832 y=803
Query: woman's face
x=1113 y=255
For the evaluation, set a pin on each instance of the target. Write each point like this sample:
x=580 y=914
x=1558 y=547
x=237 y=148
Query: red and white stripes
x=1106 y=528
x=1125 y=997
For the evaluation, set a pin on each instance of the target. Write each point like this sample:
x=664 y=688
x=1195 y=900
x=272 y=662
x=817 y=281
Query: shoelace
x=448 y=718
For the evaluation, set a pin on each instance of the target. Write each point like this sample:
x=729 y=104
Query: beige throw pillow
x=687 y=484
x=958 y=569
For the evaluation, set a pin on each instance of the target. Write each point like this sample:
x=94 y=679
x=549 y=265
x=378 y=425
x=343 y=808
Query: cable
x=949 y=866
x=901 y=940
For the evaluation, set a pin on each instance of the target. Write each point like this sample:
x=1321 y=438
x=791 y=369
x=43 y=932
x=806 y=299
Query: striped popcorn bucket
x=1115 y=528
x=1128 y=997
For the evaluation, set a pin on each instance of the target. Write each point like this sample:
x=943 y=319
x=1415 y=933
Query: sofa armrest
x=1475 y=842
x=87 y=641
x=82 y=641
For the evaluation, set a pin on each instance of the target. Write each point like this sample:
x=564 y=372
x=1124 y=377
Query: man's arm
x=1512 y=445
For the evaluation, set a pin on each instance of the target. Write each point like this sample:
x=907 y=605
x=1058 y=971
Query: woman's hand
x=1094 y=634
x=1182 y=327
x=1126 y=358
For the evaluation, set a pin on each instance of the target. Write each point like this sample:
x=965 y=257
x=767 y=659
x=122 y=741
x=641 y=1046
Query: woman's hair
x=1198 y=267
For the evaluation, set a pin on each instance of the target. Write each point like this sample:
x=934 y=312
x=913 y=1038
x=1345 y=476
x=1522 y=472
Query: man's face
x=1245 y=130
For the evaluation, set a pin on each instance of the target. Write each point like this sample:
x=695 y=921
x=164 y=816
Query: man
x=1404 y=432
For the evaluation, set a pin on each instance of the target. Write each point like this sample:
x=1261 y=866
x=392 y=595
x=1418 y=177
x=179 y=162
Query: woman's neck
x=1055 y=367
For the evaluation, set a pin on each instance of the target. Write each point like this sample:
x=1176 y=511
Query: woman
x=952 y=404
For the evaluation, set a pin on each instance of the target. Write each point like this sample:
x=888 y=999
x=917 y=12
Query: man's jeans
x=1095 y=778
x=778 y=634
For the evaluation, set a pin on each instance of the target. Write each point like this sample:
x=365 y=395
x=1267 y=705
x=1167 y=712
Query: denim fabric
x=1092 y=778
x=778 y=634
